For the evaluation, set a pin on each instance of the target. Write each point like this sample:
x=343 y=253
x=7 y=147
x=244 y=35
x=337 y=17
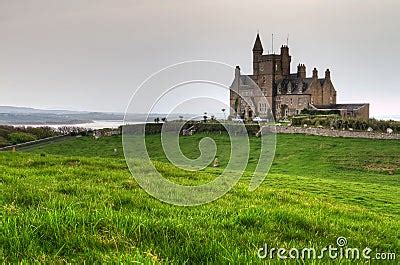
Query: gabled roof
x=295 y=84
x=247 y=80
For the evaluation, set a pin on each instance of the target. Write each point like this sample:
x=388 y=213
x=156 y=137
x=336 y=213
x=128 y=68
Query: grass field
x=76 y=201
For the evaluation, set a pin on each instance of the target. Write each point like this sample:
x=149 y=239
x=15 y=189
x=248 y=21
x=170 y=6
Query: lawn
x=75 y=201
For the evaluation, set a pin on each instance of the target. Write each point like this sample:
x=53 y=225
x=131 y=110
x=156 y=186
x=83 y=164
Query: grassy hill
x=76 y=200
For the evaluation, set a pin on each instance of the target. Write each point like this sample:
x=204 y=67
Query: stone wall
x=333 y=133
x=293 y=102
x=363 y=112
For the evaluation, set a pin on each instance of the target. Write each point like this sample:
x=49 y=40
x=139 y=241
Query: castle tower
x=286 y=59
x=257 y=53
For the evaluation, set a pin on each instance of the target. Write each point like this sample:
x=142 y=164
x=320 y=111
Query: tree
x=223 y=110
x=157 y=120
x=164 y=119
x=205 y=117
x=181 y=118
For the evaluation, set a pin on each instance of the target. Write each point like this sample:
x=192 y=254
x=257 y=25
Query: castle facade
x=287 y=93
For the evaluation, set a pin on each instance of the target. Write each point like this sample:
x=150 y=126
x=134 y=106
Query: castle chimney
x=237 y=71
x=301 y=71
x=327 y=74
x=236 y=82
x=315 y=73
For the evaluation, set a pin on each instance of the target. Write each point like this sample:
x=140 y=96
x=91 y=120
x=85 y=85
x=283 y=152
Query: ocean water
x=92 y=125
x=387 y=117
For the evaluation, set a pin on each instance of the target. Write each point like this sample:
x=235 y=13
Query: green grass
x=76 y=201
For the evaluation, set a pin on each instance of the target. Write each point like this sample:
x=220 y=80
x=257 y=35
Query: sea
x=92 y=125
x=101 y=124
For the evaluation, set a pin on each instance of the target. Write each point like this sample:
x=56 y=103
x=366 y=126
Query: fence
x=27 y=144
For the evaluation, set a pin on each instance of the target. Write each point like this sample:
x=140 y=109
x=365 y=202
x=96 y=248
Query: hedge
x=155 y=128
x=337 y=122
x=319 y=112
x=21 y=137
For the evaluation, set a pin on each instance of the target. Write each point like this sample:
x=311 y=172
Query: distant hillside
x=26 y=110
x=10 y=115
x=23 y=115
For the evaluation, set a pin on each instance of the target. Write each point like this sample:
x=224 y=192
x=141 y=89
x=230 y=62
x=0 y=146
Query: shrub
x=40 y=132
x=21 y=137
x=339 y=123
x=155 y=128
x=319 y=112
x=3 y=141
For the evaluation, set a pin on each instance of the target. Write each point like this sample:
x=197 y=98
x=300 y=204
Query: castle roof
x=247 y=80
x=257 y=44
x=297 y=85
x=349 y=106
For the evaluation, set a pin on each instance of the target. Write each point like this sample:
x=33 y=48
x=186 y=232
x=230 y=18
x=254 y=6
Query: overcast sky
x=92 y=54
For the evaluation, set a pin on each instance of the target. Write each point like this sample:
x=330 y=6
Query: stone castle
x=287 y=93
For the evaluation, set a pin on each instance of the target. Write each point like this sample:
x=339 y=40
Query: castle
x=287 y=93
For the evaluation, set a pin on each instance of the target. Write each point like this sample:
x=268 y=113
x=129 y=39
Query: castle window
x=264 y=79
x=331 y=100
x=291 y=101
x=300 y=87
x=276 y=67
x=262 y=107
x=261 y=68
